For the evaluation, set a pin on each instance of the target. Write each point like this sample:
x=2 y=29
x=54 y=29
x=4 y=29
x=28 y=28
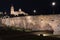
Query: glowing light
x=38 y=34
x=34 y=11
x=53 y=3
x=47 y=34
x=20 y=10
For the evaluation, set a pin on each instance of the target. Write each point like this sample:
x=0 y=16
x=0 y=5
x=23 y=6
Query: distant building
x=16 y=13
x=1 y=12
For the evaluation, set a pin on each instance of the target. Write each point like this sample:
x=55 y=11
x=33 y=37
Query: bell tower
x=12 y=10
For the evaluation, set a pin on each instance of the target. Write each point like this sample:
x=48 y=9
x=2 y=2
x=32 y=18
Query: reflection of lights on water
x=46 y=34
x=38 y=34
x=43 y=34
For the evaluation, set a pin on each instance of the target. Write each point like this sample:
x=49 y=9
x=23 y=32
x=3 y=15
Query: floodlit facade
x=46 y=22
x=16 y=13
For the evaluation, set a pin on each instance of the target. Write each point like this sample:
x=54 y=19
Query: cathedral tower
x=12 y=10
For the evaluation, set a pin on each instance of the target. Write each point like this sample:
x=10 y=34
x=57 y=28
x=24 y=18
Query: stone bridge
x=42 y=22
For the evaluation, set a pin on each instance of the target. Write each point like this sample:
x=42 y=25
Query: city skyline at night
x=29 y=19
x=41 y=7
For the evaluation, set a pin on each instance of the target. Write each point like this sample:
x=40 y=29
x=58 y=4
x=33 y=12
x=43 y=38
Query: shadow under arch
x=48 y=28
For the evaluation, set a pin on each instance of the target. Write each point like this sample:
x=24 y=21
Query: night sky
x=41 y=6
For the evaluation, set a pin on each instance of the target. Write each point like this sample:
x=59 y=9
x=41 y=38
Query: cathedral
x=16 y=13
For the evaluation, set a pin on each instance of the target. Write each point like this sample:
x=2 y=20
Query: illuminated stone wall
x=46 y=22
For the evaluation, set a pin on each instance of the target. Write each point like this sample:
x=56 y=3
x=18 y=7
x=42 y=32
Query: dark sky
x=42 y=6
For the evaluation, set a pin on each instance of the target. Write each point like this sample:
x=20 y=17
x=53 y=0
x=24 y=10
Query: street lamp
x=34 y=12
x=53 y=4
